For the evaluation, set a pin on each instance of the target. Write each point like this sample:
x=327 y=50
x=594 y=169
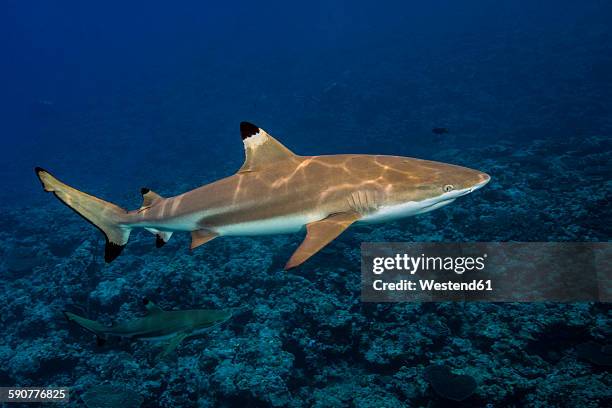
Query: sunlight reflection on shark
x=277 y=191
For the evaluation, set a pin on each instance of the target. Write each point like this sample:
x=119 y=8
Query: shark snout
x=484 y=179
x=480 y=181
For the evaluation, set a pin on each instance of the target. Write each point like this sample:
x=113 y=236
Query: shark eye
x=448 y=188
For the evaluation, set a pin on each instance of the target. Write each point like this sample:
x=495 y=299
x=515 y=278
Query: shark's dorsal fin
x=260 y=148
x=151 y=307
x=149 y=197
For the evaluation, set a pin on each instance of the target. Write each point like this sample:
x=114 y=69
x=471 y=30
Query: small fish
x=157 y=325
x=439 y=130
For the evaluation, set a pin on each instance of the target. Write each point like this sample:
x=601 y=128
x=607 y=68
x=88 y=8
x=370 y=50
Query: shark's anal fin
x=172 y=345
x=260 y=148
x=161 y=237
x=200 y=237
x=160 y=241
x=151 y=307
x=319 y=234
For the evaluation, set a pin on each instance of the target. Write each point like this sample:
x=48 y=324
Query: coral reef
x=109 y=396
x=455 y=387
x=303 y=338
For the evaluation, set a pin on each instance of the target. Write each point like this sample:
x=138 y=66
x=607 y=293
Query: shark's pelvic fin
x=173 y=344
x=319 y=234
x=107 y=217
x=200 y=237
x=260 y=148
x=151 y=307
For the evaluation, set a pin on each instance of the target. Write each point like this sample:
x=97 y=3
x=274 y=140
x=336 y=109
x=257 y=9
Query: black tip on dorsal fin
x=151 y=307
x=100 y=341
x=159 y=241
x=112 y=251
x=248 y=129
x=149 y=197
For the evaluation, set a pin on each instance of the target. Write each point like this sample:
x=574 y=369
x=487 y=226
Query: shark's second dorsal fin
x=151 y=307
x=149 y=197
x=260 y=148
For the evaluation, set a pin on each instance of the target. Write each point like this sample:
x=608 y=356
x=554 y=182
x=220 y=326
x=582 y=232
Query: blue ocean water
x=112 y=97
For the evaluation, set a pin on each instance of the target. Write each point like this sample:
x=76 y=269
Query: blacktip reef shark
x=158 y=325
x=277 y=191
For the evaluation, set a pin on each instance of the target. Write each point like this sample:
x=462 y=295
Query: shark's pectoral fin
x=172 y=345
x=201 y=237
x=319 y=234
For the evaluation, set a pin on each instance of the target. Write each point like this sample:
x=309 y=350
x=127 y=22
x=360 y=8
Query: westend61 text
x=432 y=285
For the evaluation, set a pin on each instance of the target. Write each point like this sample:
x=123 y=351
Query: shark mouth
x=436 y=205
x=475 y=187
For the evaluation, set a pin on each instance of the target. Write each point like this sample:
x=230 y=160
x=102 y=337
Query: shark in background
x=277 y=191
x=158 y=325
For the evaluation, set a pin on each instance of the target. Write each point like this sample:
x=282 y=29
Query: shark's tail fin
x=90 y=325
x=107 y=217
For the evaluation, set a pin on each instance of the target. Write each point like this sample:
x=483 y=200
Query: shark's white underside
x=295 y=222
x=189 y=333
